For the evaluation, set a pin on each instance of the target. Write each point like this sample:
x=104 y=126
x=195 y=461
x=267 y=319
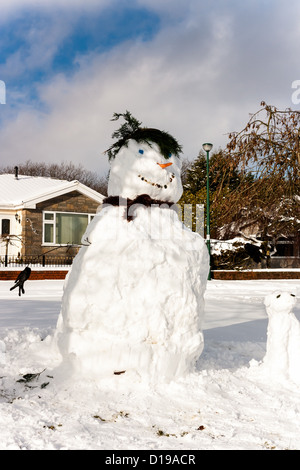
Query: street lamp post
x=207 y=148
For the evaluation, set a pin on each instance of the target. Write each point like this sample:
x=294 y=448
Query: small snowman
x=283 y=337
x=133 y=300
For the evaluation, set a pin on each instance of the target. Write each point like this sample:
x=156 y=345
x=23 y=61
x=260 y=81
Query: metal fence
x=34 y=260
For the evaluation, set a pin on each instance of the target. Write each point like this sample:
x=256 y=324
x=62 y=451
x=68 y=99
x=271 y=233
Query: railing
x=35 y=260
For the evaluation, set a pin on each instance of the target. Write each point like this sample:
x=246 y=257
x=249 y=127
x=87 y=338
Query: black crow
x=22 y=277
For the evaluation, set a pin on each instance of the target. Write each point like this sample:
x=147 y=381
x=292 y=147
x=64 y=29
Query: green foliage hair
x=132 y=129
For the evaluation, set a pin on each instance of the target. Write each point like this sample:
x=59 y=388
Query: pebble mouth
x=162 y=186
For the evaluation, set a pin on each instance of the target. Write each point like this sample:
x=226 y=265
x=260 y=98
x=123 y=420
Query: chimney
x=16 y=172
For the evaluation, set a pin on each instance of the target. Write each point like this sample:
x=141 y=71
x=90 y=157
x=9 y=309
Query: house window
x=5 y=227
x=64 y=228
x=48 y=227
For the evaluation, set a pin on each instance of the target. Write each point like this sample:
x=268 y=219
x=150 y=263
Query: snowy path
x=228 y=403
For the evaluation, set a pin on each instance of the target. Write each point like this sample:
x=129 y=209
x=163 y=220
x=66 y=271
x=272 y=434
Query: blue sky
x=195 y=68
x=97 y=31
x=88 y=31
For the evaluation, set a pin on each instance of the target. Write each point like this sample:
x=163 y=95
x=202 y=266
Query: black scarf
x=143 y=199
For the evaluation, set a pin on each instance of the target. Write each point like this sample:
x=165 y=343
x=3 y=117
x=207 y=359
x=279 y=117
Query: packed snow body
x=282 y=357
x=136 y=170
x=133 y=300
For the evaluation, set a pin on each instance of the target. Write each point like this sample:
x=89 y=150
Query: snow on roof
x=27 y=191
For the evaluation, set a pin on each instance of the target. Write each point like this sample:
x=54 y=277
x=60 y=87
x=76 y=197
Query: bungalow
x=39 y=215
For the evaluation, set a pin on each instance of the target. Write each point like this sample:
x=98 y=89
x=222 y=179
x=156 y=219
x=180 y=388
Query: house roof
x=27 y=191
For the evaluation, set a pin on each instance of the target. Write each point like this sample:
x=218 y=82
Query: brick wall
x=254 y=275
x=35 y=275
x=220 y=275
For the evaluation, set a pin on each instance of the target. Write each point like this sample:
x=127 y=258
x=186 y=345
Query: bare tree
x=268 y=148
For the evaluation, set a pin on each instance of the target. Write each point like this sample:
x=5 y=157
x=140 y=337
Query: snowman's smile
x=158 y=185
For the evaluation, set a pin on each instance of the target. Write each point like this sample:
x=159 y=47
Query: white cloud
x=198 y=79
x=37 y=49
x=12 y=7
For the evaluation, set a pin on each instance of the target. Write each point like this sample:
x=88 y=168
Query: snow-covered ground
x=230 y=402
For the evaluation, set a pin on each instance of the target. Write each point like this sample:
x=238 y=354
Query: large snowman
x=133 y=300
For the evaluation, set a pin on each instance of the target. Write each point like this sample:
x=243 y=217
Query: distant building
x=39 y=215
x=284 y=249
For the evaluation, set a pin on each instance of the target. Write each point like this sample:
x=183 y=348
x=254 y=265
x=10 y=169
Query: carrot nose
x=164 y=165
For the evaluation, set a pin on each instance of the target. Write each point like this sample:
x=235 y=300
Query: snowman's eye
x=141 y=151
